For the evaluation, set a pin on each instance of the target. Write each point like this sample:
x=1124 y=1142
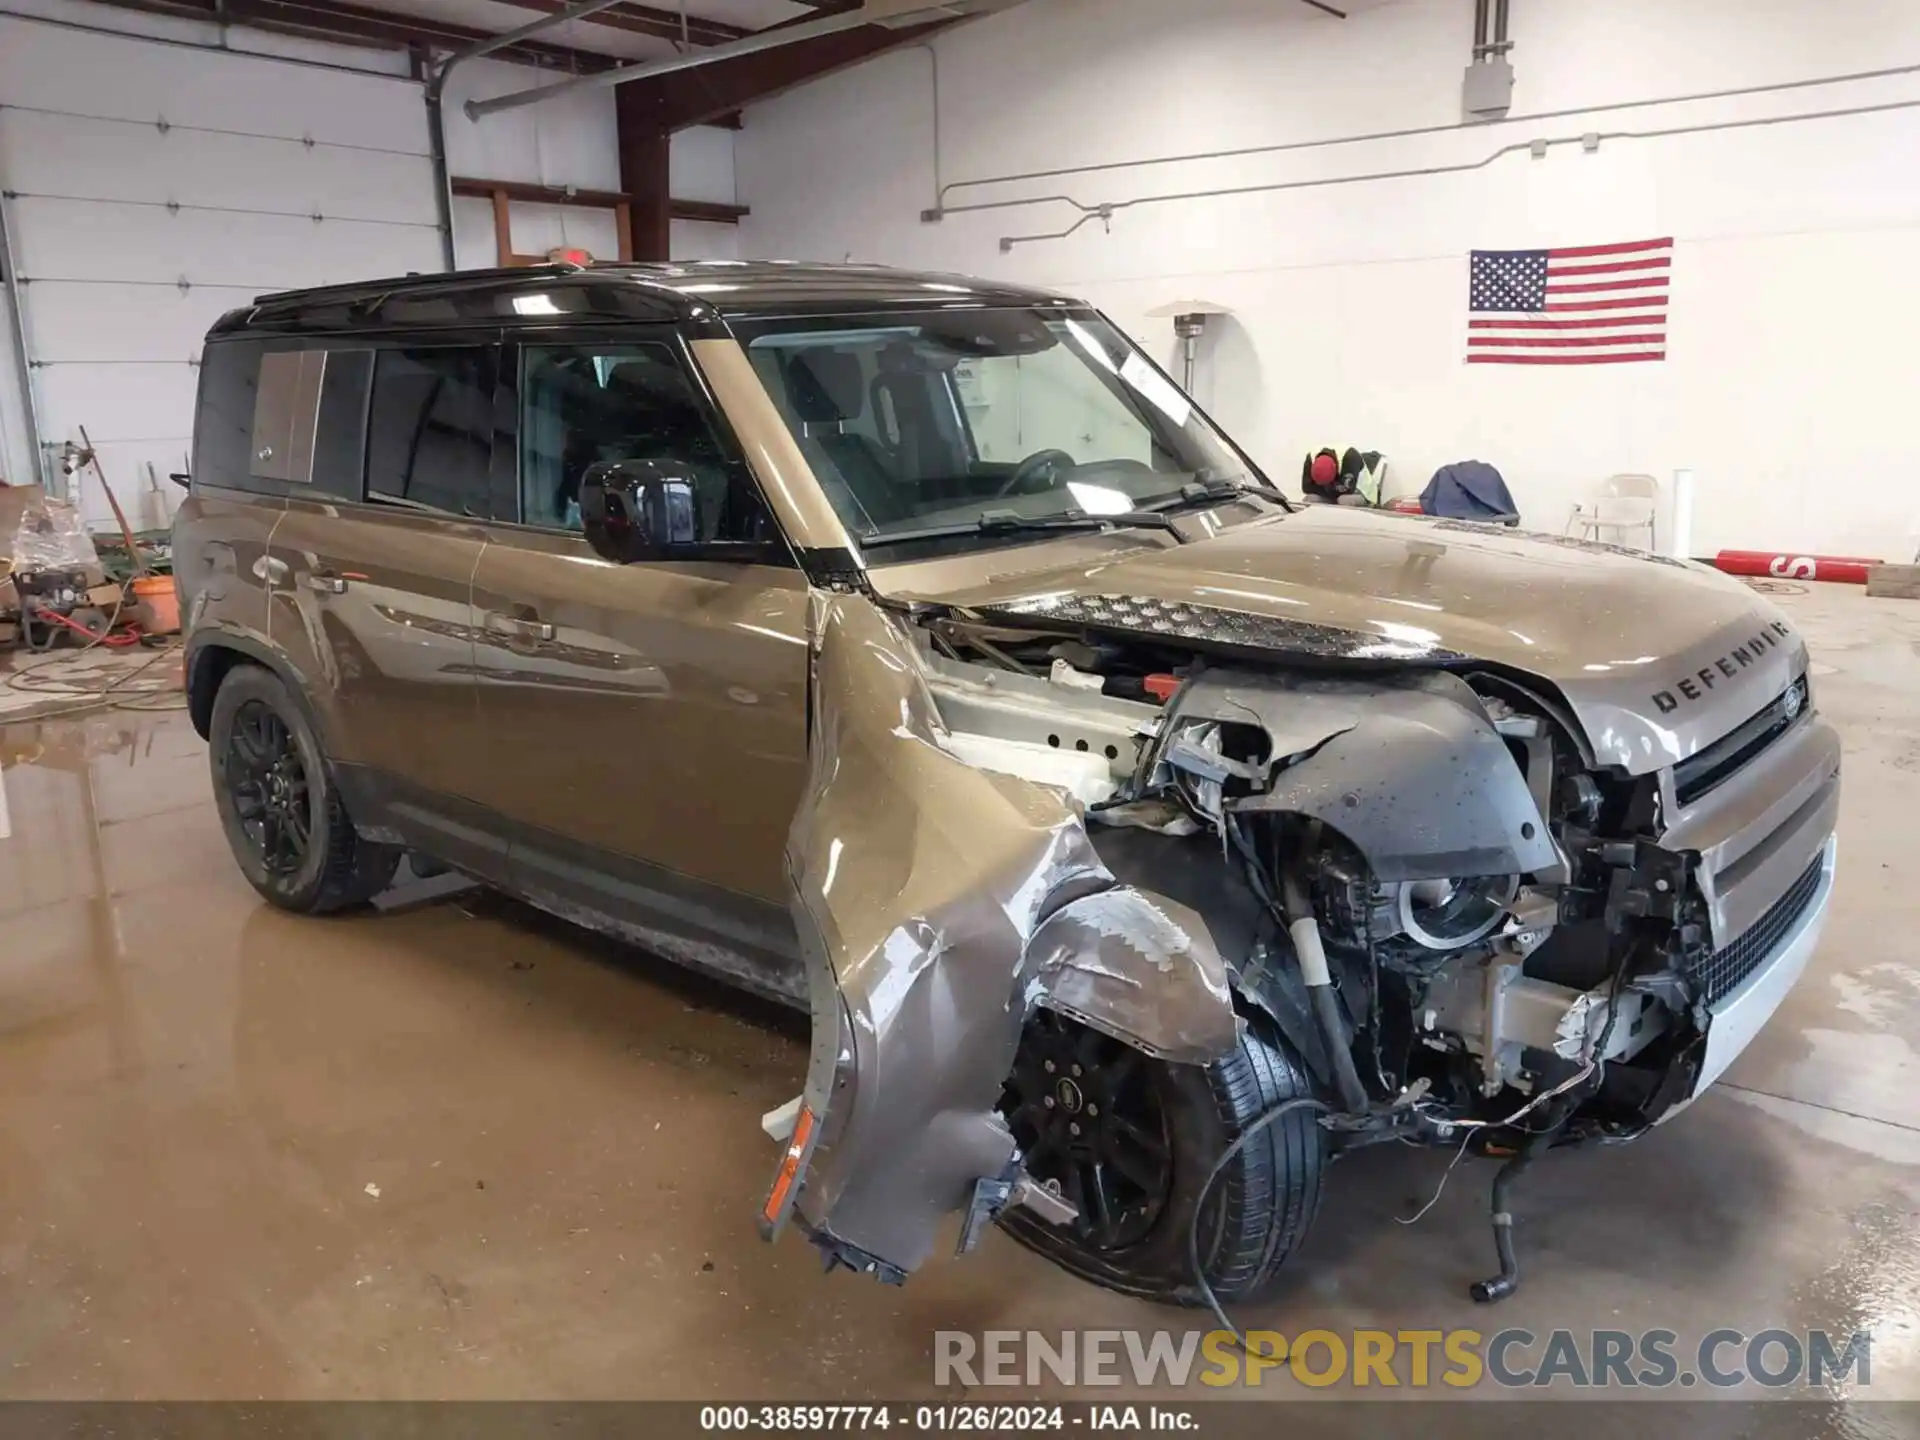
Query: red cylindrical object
x=1785 y=565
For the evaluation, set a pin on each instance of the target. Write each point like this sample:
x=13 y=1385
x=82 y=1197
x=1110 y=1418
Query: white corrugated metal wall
x=152 y=186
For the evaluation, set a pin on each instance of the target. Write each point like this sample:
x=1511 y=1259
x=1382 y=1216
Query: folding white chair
x=1626 y=506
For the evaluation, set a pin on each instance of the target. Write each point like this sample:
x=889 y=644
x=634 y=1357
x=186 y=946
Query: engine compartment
x=1418 y=874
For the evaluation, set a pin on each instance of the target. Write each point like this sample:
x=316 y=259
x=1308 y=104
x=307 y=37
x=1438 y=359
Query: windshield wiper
x=1213 y=492
x=1007 y=522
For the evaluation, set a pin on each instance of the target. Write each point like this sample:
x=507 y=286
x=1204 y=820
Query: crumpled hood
x=1656 y=658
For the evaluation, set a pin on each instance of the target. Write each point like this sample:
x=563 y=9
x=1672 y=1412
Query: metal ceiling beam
x=506 y=39
x=648 y=111
x=712 y=212
x=885 y=13
x=647 y=20
x=701 y=96
x=357 y=25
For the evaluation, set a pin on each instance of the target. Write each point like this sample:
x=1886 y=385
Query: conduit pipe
x=1241 y=152
x=1589 y=141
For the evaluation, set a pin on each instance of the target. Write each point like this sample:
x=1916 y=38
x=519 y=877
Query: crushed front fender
x=938 y=903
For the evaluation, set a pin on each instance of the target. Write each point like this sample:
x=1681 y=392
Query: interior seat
x=827 y=389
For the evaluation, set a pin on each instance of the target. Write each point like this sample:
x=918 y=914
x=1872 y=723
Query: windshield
x=983 y=418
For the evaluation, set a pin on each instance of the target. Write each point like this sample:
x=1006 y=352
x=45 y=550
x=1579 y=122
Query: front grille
x=1706 y=769
x=1720 y=974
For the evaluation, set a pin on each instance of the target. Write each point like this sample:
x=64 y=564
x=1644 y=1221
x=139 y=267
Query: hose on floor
x=125 y=690
x=1227 y=1157
x=115 y=692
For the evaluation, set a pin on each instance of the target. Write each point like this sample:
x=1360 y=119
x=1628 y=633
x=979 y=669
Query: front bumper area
x=1738 y=1016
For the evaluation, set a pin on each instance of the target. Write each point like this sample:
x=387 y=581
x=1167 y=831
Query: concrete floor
x=458 y=1150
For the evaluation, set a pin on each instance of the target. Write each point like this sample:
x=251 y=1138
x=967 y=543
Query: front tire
x=280 y=804
x=1148 y=1133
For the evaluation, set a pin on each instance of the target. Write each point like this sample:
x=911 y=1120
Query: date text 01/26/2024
x=943 y=1419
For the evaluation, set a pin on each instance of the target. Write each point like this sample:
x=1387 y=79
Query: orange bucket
x=160 y=603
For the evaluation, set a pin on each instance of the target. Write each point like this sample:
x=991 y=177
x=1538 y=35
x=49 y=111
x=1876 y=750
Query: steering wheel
x=1028 y=469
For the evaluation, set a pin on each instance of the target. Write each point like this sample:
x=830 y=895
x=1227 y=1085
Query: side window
x=223 y=419
x=430 y=429
x=583 y=404
x=278 y=422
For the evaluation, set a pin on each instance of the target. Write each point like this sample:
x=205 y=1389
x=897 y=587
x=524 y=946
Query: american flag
x=1582 y=305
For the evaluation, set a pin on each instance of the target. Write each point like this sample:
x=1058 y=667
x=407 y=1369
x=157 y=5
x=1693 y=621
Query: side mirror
x=638 y=509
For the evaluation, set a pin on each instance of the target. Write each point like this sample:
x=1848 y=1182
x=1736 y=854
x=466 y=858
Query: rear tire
x=280 y=804
x=1258 y=1211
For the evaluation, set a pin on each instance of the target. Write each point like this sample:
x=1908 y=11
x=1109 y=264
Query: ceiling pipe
x=436 y=91
x=894 y=13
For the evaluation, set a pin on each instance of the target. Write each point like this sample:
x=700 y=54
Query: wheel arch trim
x=208 y=661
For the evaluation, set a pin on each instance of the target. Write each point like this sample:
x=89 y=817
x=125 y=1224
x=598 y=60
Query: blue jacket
x=1469 y=490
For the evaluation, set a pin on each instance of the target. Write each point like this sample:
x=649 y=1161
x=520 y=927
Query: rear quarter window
x=223 y=423
x=278 y=421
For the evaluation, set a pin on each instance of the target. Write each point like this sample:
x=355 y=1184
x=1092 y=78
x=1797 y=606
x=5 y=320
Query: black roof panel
x=695 y=290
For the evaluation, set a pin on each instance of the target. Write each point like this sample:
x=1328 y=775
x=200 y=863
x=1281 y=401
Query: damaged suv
x=911 y=649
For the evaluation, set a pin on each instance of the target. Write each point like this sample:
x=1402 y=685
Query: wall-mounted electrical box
x=1487 y=93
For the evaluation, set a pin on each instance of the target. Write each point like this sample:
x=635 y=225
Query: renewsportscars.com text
x=1416 y=1359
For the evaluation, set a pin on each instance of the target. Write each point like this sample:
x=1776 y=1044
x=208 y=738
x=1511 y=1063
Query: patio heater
x=1189 y=319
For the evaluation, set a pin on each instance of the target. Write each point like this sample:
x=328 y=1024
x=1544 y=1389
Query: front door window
x=585 y=404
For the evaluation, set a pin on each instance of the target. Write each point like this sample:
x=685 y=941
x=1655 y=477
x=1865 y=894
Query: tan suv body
x=909 y=648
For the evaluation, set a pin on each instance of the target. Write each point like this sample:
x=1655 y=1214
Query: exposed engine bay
x=1420 y=875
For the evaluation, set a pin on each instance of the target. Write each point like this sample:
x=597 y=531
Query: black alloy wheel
x=270 y=792
x=279 y=800
x=1087 y=1117
x=1130 y=1140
